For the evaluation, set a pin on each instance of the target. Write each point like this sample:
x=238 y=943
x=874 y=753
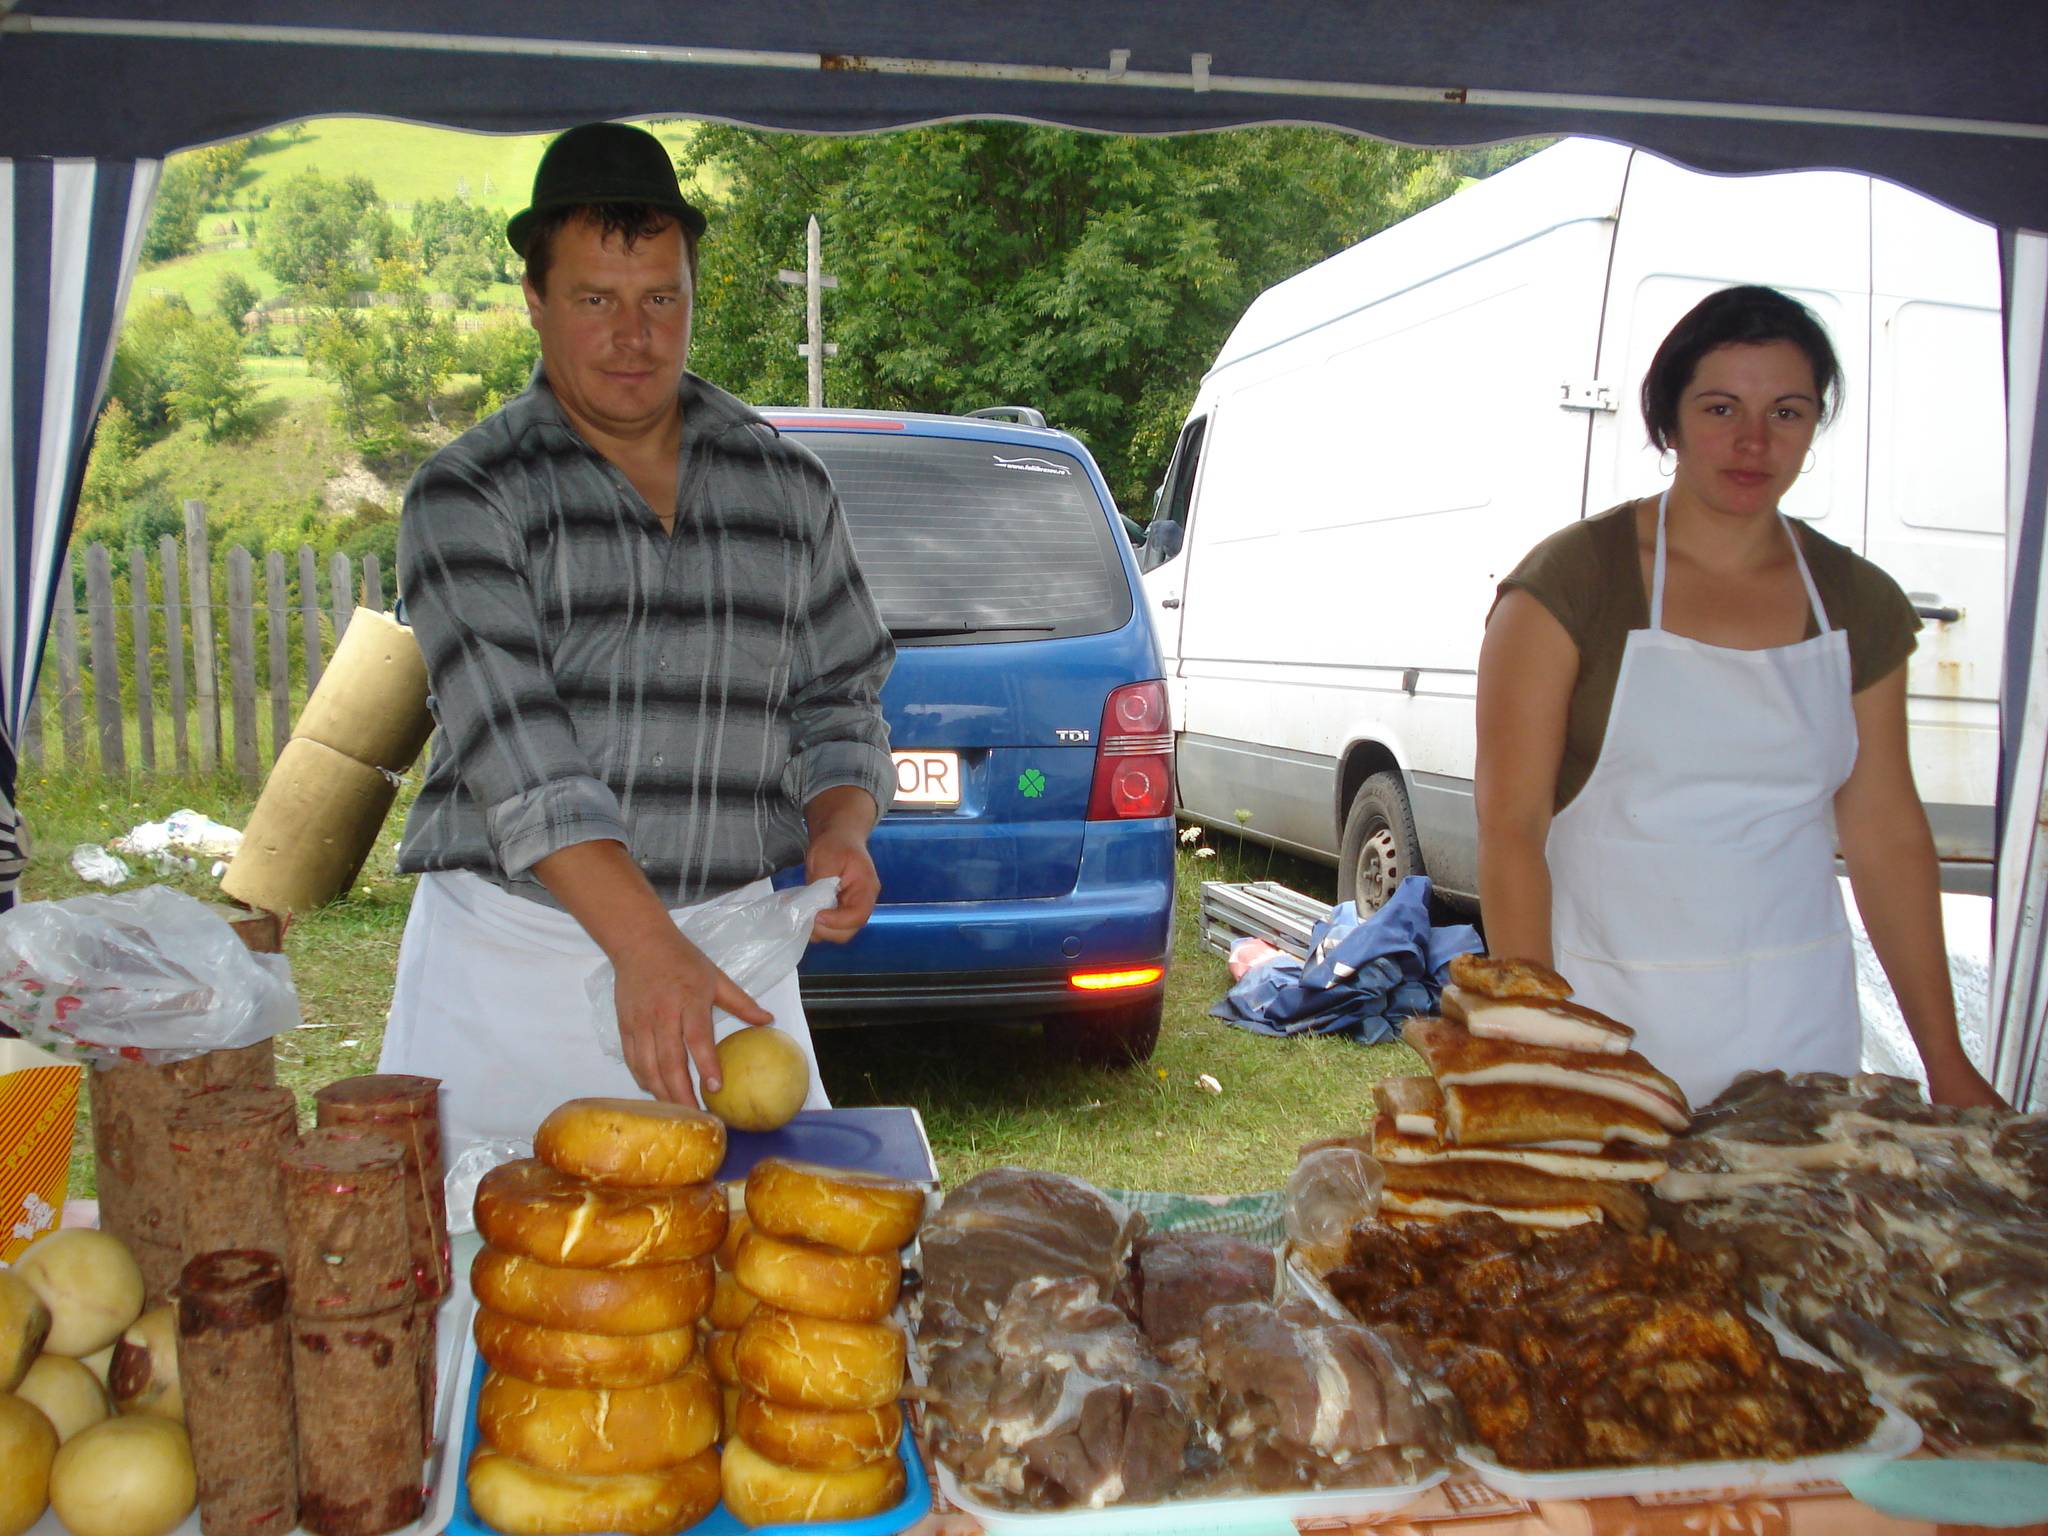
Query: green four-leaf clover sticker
x=1031 y=783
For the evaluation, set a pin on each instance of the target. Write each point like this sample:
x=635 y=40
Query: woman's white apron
x=491 y=999
x=1693 y=883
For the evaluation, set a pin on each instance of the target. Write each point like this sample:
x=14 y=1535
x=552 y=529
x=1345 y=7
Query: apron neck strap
x=1820 y=613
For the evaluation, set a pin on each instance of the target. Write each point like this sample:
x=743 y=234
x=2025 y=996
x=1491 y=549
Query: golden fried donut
x=818 y=1281
x=816 y=1362
x=737 y=1226
x=762 y=1492
x=730 y=1302
x=839 y=1207
x=523 y=1500
x=651 y=1298
x=601 y=1429
x=640 y=1142
x=530 y=1208
x=831 y=1441
x=557 y=1357
x=718 y=1354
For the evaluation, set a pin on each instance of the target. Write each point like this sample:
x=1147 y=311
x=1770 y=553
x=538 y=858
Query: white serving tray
x=1245 y=1515
x=454 y=1356
x=1896 y=1435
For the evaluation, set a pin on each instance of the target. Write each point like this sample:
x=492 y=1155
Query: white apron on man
x=492 y=998
x=1693 y=883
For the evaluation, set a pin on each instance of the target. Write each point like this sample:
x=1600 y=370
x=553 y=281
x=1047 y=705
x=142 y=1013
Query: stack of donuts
x=598 y=1413
x=817 y=1366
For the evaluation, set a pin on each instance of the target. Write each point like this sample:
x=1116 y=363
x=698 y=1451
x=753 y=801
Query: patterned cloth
x=1256 y=1217
x=598 y=678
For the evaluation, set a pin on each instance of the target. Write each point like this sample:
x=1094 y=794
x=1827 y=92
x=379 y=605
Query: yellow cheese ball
x=70 y=1396
x=764 y=1079
x=129 y=1476
x=91 y=1284
x=24 y=1324
x=28 y=1444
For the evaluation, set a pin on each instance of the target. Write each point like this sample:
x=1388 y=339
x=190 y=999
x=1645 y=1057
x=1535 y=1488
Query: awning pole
x=1198 y=78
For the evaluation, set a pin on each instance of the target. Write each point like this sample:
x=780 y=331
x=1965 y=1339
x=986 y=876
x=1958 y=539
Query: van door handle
x=1169 y=602
x=1937 y=612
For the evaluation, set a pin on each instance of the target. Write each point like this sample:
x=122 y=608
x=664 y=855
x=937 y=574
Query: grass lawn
x=989 y=1095
x=194 y=278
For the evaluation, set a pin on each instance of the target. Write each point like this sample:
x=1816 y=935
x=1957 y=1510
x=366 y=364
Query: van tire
x=1107 y=1037
x=1379 y=848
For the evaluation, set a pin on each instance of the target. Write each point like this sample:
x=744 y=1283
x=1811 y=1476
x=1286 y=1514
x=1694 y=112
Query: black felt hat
x=604 y=163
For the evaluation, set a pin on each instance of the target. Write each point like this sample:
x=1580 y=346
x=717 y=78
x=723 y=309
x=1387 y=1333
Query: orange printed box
x=38 y=1112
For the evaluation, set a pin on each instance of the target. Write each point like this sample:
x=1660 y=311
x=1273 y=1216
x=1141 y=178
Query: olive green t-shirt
x=1590 y=576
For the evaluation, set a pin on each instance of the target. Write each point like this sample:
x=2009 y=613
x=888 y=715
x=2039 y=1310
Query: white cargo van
x=1385 y=435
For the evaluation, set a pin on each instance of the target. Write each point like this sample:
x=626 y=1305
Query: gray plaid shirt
x=596 y=678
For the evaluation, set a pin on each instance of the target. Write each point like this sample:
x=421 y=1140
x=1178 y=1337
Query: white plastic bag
x=152 y=973
x=755 y=940
x=476 y=1159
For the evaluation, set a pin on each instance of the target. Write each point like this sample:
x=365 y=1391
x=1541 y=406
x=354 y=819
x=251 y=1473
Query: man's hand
x=1954 y=1081
x=840 y=820
x=664 y=987
x=664 y=993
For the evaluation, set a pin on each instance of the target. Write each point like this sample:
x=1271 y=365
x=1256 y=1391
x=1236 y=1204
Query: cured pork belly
x=1414 y=1104
x=1458 y=1058
x=1547 y=1022
x=1524 y=1196
x=1519 y=1114
x=1508 y=978
x=1617 y=1161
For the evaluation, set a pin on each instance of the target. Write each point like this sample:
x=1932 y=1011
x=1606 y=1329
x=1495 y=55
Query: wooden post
x=344 y=592
x=373 y=584
x=145 y=669
x=106 y=660
x=64 y=615
x=174 y=650
x=242 y=659
x=280 y=653
x=309 y=615
x=205 y=680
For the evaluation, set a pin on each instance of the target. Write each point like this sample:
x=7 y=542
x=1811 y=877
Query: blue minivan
x=1027 y=866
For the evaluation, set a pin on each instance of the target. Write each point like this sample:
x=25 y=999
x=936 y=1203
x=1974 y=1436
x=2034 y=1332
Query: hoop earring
x=1811 y=460
x=1667 y=471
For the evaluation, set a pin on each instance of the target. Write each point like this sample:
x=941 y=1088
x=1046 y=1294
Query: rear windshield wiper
x=932 y=631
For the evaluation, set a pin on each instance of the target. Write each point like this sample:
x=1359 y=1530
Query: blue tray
x=917 y=1495
x=888 y=1140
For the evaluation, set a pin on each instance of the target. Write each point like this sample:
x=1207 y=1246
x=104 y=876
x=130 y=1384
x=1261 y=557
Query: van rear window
x=965 y=541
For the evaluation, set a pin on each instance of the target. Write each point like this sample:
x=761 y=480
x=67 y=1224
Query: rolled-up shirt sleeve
x=463 y=572
x=843 y=656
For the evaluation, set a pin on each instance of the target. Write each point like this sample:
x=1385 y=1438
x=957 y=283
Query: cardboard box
x=38 y=1112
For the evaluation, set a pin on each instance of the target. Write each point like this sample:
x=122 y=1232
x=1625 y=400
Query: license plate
x=927 y=778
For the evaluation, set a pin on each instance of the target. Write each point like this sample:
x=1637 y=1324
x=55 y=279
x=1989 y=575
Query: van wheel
x=1380 y=848
x=1107 y=1037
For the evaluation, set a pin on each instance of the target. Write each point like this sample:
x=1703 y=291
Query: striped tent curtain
x=70 y=236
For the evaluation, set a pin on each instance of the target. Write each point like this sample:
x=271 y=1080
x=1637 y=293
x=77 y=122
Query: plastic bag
x=756 y=940
x=89 y=861
x=1332 y=1190
x=152 y=975
x=475 y=1160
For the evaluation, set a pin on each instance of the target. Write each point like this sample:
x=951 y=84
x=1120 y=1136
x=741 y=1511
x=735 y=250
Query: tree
x=145 y=363
x=174 y=220
x=209 y=384
x=1091 y=276
x=234 y=296
x=451 y=226
x=323 y=237
x=501 y=353
x=416 y=348
x=111 y=474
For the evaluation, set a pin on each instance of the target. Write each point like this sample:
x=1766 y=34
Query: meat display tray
x=1248 y=1515
x=453 y=1353
x=915 y=1504
x=1896 y=1435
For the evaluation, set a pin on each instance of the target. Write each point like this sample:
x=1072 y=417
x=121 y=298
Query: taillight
x=1133 y=756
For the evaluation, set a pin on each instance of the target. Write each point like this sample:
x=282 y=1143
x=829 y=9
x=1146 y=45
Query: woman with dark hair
x=1684 y=704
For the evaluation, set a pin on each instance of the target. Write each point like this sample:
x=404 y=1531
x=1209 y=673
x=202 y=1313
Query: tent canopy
x=1945 y=99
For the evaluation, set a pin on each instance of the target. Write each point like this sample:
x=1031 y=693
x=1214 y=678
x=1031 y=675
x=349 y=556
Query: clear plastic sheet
x=1332 y=1190
x=152 y=975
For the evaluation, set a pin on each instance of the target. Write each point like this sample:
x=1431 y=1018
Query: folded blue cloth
x=1363 y=976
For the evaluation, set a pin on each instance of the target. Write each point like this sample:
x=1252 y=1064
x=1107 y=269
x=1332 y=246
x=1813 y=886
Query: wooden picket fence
x=171 y=641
